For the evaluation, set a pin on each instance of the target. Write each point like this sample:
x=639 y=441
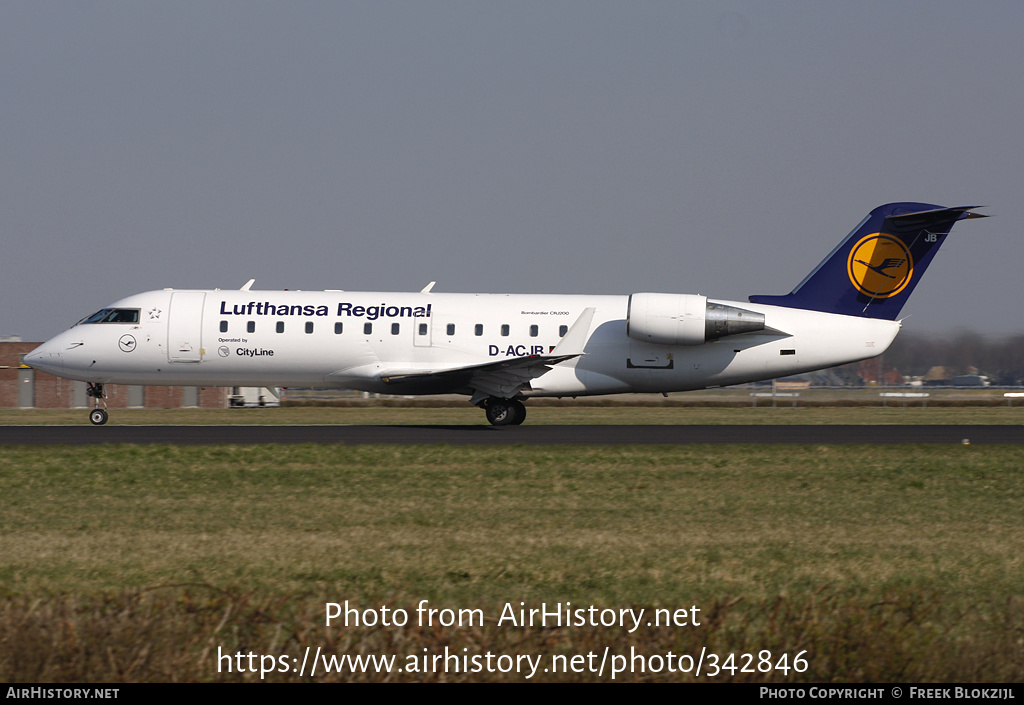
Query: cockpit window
x=113 y=315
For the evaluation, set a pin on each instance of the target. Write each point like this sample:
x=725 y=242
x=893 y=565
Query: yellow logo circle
x=880 y=266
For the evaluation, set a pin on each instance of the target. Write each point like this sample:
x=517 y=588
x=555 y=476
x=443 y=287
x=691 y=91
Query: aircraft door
x=185 y=326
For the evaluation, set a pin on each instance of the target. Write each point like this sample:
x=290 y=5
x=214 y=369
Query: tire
x=500 y=412
x=520 y=412
x=98 y=417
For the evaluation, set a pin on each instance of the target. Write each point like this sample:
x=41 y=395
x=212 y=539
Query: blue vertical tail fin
x=874 y=270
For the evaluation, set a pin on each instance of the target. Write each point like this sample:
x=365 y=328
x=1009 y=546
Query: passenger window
x=451 y=329
x=337 y=328
x=280 y=326
x=478 y=329
x=250 y=326
x=504 y=329
x=533 y=331
x=562 y=330
x=309 y=327
x=367 y=328
x=395 y=328
x=223 y=326
x=423 y=328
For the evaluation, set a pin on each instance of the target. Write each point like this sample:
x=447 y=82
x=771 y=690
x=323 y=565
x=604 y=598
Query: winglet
x=576 y=337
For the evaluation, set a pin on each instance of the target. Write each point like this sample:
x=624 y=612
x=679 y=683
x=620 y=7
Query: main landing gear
x=98 y=416
x=504 y=412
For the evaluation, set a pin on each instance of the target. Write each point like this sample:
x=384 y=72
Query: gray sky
x=720 y=148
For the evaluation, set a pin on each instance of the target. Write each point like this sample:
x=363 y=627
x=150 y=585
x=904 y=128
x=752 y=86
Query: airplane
x=500 y=349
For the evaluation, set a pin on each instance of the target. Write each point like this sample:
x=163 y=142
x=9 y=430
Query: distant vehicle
x=971 y=381
x=254 y=397
x=500 y=349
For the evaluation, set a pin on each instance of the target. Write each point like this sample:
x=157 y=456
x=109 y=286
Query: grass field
x=902 y=563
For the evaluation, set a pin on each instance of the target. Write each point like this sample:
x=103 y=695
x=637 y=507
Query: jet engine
x=686 y=319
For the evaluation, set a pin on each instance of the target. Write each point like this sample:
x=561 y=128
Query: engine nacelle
x=686 y=319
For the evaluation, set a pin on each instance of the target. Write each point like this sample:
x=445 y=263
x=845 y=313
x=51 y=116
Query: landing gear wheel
x=98 y=415
x=499 y=412
x=520 y=412
x=505 y=412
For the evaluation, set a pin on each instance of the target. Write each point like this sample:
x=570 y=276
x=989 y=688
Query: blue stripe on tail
x=874 y=270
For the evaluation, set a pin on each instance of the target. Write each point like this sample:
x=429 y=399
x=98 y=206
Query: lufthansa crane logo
x=880 y=266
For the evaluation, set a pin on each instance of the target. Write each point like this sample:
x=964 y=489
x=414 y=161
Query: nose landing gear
x=98 y=416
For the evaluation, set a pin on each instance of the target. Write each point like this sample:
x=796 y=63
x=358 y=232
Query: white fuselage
x=350 y=339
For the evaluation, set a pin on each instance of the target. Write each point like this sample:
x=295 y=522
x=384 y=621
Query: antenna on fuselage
x=247 y=285
x=427 y=288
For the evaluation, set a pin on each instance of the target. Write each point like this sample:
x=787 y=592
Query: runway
x=513 y=435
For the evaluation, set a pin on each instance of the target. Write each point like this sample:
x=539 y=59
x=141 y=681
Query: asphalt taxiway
x=513 y=435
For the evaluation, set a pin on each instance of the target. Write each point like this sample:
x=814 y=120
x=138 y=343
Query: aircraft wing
x=503 y=378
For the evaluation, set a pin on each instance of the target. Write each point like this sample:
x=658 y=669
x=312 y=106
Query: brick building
x=26 y=388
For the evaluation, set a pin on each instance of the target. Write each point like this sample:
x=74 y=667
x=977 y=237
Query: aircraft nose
x=46 y=359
